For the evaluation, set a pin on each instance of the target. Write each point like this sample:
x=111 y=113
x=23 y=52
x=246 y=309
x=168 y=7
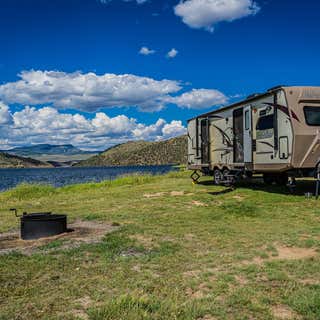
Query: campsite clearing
x=175 y=251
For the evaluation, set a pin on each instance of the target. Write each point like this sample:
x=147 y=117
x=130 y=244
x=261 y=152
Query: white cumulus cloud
x=146 y=51
x=199 y=99
x=142 y=132
x=86 y=92
x=5 y=115
x=159 y=130
x=207 y=13
x=48 y=125
x=90 y=92
x=172 y=53
x=173 y=129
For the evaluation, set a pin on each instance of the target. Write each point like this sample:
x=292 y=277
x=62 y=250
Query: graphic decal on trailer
x=284 y=109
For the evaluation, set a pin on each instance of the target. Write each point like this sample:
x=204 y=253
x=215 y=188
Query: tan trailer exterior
x=276 y=133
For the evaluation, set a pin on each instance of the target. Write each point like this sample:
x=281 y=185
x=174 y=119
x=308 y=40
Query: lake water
x=58 y=177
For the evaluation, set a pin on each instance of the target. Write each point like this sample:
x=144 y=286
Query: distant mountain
x=60 y=154
x=11 y=161
x=49 y=149
x=172 y=151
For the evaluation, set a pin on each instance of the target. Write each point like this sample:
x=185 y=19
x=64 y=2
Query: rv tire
x=225 y=173
x=218 y=177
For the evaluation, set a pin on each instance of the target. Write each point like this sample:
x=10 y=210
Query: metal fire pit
x=40 y=225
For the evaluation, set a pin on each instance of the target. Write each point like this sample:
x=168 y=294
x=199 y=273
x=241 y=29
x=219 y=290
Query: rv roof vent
x=276 y=87
x=253 y=95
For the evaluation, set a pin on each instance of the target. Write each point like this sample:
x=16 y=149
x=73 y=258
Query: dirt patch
x=192 y=273
x=172 y=194
x=257 y=260
x=283 y=312
x=239 y=198
x=190 y=236
x=83 y=232
x=310 y=282
x=154 y=195
x=201 y=292
x=85 y=302
x=80 y=314
x=198 y=204
x=136 y=268
x=242 y=281
x=212 y=279
x=207 y=317
x=176 y=193
x=285 y=253
x=294 y=253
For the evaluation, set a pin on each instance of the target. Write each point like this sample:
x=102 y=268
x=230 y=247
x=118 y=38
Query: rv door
x=247 y=135
x=205 y=141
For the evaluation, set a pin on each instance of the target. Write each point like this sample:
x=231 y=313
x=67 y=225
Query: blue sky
x=222 y=53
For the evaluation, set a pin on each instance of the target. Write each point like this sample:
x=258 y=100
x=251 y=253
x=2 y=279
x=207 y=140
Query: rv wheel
x=225 y=174
x=218 y=177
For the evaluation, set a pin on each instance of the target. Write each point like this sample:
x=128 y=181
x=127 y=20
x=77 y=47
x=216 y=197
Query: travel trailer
x=276 y=133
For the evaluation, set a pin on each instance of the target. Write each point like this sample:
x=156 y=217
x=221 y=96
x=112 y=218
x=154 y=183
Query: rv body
x=276 y=133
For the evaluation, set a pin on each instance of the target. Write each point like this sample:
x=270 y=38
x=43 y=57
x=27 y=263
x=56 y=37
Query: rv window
x=265 y=122
x=312 y=115
x=247 y=120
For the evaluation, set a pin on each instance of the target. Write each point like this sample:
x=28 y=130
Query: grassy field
x=182 y=251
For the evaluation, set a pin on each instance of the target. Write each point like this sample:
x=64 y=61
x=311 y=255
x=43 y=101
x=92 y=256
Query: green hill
x=11 y=161
x=172 y=151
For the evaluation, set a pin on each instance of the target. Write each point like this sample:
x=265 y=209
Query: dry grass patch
x=198 y=203
x=239 y=198
x=241 y=280
x=294 y=253
x=154 y=195
x=285 y=253
x=192 y=273
x=310 y=281
x=176 y=193
x=201 y=292
x=207 y=317
x=80 y=314
x=283 y=312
